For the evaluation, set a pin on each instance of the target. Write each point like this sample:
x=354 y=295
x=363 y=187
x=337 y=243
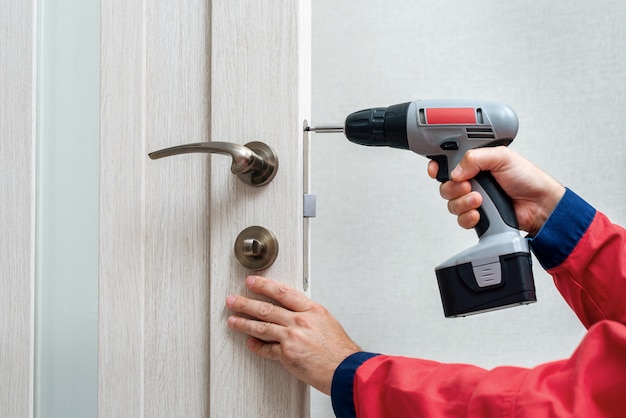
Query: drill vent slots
x=479 y=116
x=480 y=132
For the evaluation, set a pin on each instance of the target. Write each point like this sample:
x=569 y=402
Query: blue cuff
x=562 y=231
x=341 y=391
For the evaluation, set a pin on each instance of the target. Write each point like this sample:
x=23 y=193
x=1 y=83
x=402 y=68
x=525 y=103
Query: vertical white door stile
x=176 y=73
x=17 y=206
x=122 y=231
x=260 y=91
x=177 y=321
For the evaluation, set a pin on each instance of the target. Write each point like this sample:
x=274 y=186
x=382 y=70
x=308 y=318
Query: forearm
x=371 y=385
x=591 y=383
x=586 y=256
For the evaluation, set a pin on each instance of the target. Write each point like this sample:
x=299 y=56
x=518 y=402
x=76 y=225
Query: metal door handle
x=254 y=163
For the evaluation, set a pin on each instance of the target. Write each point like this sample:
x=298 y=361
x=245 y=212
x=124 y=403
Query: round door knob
x=256 y=248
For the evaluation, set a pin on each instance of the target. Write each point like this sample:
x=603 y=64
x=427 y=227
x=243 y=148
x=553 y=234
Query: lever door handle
x=254 y=163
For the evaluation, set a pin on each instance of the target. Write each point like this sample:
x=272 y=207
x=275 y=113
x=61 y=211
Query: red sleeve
x=593 y=278
x=592 y=383
x=586 y=255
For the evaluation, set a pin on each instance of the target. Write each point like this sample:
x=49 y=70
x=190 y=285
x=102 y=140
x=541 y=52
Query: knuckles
x=283 y=292
x=262 y=328
x=265 y=309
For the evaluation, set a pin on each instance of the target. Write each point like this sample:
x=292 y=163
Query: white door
x=171 y=73
x=175 y=73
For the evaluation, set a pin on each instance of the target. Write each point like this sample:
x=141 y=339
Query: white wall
x=381 y=227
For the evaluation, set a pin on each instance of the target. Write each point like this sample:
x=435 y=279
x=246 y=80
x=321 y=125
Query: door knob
x=254 y=163
x=256 y=248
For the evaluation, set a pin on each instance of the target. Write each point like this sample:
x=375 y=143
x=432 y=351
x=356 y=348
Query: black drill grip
x=501 y=201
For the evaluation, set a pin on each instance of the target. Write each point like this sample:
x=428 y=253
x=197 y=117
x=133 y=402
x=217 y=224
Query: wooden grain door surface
x=17 y=207
x=176 y=72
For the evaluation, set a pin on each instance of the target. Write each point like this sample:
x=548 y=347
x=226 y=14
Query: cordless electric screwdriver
x=496 y=272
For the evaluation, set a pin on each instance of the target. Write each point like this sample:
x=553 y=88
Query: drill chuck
x=380 y=126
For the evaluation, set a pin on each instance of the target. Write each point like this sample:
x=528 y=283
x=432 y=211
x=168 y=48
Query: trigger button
x=442 y=173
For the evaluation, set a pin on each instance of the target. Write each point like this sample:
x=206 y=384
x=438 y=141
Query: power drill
x=496 y=272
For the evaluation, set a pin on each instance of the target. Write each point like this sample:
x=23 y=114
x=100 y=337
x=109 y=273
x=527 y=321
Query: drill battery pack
x=461 y=294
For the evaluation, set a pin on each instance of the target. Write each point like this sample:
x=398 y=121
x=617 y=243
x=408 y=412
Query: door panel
x=235 y=71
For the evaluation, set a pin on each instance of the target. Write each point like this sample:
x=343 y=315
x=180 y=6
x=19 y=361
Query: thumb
x=480 y=159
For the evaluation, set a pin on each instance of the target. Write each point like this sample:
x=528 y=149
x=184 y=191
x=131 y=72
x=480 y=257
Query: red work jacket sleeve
x=585 y=253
